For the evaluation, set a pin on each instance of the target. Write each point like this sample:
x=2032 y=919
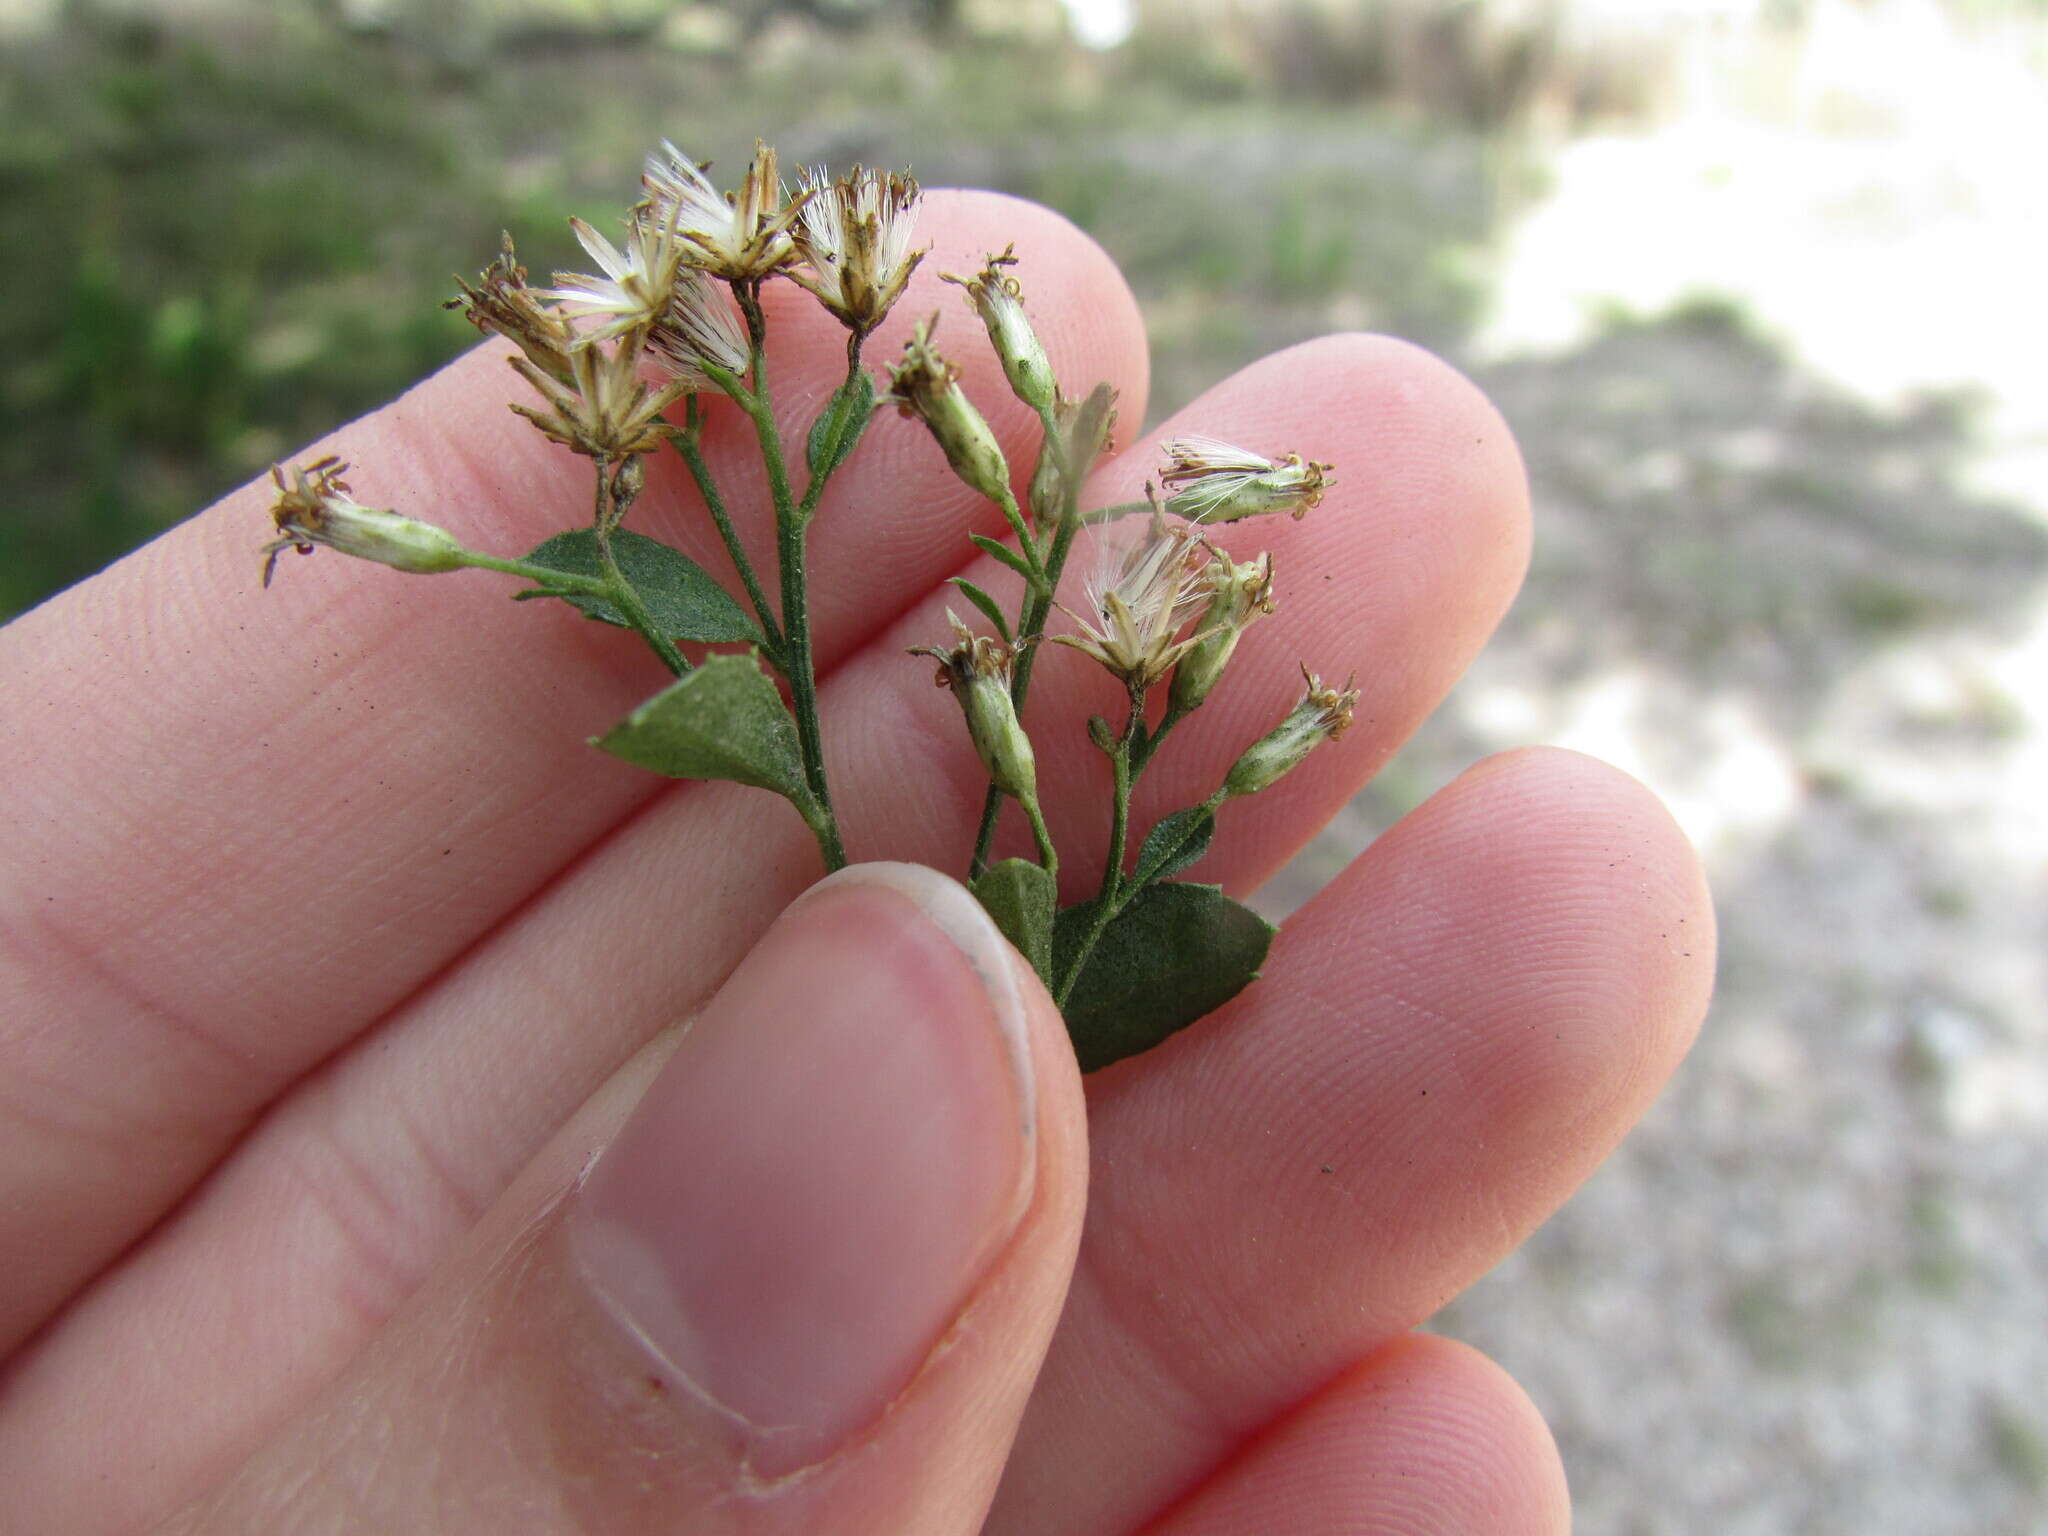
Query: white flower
x=855 y=236
x=699 y=326
x=1139 y=597
x=741 y=237
x=634 y=291
x=1220 y=483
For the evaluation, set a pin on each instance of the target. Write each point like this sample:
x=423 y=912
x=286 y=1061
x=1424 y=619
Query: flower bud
x=999 y=300
x=1212 y=482
x=501 y=303
x=315 y=508
x=925 y=385
x=977 y=669
x=1322 y=715
x=1239 y=594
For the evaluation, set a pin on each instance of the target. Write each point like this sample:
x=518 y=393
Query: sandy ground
x=1791 y=568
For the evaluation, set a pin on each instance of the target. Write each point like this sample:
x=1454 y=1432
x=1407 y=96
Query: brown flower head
x=855 y=238
x=741 y=237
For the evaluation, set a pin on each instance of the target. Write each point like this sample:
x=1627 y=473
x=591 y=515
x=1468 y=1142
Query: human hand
x=331 y=959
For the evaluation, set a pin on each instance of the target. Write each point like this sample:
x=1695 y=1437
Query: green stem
x=1115 y=510
x=1109 y=901
x=1047 y=856
x=1150 y=744
x=1027 y=545
x=797 y=664
x=554 y=580
x=1030 y=625
x=610 y=512
x=808 y=507
x=692 y=453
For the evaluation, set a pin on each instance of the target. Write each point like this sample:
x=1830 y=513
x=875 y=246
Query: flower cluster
x=671 y=323
x=673 y=309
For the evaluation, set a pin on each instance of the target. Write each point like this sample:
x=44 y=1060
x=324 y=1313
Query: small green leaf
x=1177 y=952
x=985 y=603
x=724 y=720
x=838 y=429
x=1022 y=898
x=995 y=549
x=1178 y=841
x=683 y=599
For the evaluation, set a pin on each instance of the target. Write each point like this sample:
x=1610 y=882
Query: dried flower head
x=1139 y=598
x=500 y=303
x=1219 y=483
x=977 y=668
x=314 y=507
x=1239 y=592
x=605 y=411
x=1323 y=715
x=855 y=236
x=925 y=385
x=634 y=291
x=740 y=237
x=999 y=299
x=700 y=326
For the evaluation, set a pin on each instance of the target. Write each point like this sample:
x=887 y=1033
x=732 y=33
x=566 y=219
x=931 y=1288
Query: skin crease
x=284 y=1055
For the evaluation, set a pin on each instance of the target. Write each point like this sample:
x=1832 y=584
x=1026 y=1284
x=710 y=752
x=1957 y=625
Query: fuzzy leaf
x=1177 y=952
x=985 y=603
x=1178 y=841
x=681 y=596
x=1022 y=898
x=996 y=549
x=838 y=429
x=724 y=720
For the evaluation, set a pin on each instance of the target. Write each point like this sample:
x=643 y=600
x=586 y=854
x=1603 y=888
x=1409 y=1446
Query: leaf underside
x=684 y=600
x=723 y=720
x=1177 y=952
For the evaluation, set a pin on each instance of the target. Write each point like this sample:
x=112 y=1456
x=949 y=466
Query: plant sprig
x=675 y=316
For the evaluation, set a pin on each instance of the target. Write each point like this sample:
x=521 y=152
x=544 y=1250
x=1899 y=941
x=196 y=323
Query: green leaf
x=838 y=429
x=1022 y=898
x=1178 y=841
x=985 y=603
x=1177 y=952
x=995 y=549
x=681 y=596
x=724 y=720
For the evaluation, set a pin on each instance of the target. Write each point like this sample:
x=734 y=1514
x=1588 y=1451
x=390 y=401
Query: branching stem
x=612 y=502
x=1031 y=623
x=797 y=663
x=1110 y=899
x=687 y=444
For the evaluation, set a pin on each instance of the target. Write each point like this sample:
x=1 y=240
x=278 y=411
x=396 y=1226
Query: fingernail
x=804 y=1199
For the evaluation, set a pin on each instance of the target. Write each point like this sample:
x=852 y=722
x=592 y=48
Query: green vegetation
x=229 y=240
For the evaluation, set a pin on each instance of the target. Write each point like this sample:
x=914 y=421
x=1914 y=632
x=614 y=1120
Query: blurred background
x=1757 y=282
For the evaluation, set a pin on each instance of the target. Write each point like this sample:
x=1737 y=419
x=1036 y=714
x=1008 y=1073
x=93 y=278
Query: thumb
x=804 y=1285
